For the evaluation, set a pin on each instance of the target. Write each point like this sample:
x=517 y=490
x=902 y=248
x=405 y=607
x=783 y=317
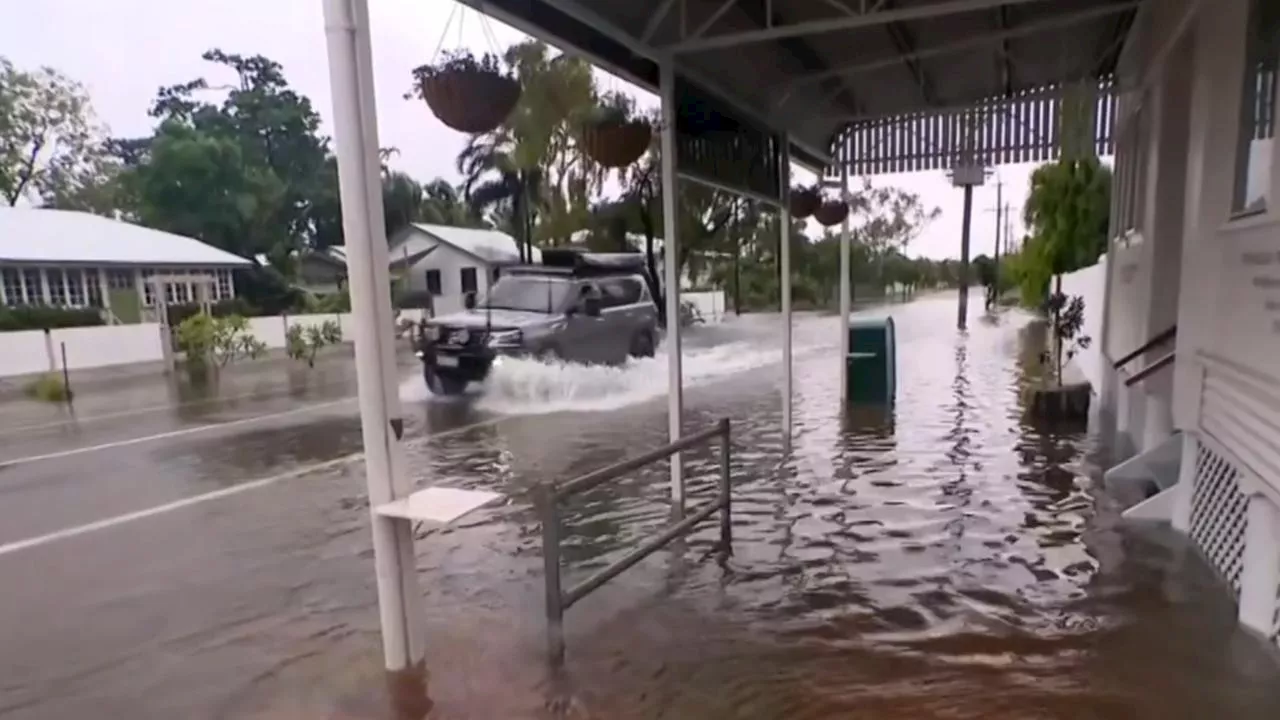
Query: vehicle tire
x=444 y=385
x=642 y=345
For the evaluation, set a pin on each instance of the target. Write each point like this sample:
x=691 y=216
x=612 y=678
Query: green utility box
x=872 y=377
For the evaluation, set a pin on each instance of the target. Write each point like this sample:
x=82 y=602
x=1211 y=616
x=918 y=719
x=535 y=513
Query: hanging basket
x=616 y=144
x=804 y=202
x=832 y=212
x=468 y=97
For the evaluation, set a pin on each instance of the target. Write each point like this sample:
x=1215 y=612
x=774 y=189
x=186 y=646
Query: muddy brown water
x=948 y=559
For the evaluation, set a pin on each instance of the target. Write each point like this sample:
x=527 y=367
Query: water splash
x=525 y=387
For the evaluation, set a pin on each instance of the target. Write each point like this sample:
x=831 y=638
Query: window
x=619 y=291
x=75 y=287
x=1257 y=109
x=57 y=286
x=93 y=287
x=433 y=282
x=224 y=284
x=11 y=278
x=182 y=290
x=120 y=279
x=35 y=286
x=148 y=288
x=468 y=280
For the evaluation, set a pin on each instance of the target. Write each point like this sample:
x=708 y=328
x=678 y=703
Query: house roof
x=492 y=247
x=64 y=236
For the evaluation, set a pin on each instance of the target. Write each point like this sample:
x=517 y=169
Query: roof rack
x=579 y=263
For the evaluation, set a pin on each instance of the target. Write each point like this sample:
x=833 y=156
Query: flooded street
x=944 y=560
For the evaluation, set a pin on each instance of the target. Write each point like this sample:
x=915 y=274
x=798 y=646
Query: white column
x=846 y=301
x=784 y=256
x=1260 y=574
x=1123 y=395
x=1181 y=516
x=44 y=286
x=671 y=276
x=355 y=134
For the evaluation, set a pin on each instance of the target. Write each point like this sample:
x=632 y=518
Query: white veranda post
x=356 y=141
x=846 y=299
x=671 y=276
x=784 y=254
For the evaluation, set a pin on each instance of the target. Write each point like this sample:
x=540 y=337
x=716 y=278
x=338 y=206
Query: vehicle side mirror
x=591 y=306
x=469 y=301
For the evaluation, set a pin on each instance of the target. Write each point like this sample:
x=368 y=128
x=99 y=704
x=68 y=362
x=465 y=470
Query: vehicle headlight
x=506 y=339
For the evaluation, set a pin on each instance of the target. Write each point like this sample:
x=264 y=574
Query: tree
x=48 y=139
x=243 y=174
x=1068 y=211
x=528 y=175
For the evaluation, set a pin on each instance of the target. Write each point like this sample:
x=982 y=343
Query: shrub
x=220 y=339
x=40 y=317
x=222 y=308
x=304 y=342
x=49 y=388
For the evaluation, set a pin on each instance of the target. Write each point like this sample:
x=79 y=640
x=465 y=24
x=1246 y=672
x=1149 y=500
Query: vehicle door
x=584 y=338
x=623 y=314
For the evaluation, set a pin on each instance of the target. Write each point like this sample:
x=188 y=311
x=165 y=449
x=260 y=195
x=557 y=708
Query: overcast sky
x=124 y=50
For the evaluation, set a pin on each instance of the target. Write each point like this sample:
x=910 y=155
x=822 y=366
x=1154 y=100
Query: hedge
x=40 y=317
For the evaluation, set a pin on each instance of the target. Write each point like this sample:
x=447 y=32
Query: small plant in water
x=1067 y=314
x=218 y=340
x=304 y=342
x=47 y=388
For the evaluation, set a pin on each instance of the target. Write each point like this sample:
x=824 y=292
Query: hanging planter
x=831 y=212
x=468 y=94
x=612 y=136
x=804 y=202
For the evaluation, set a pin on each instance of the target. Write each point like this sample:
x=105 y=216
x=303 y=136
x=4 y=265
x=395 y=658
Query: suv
x=577 y=307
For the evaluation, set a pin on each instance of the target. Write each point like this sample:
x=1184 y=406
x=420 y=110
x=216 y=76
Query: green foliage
x=222 y=308
x=1067 y=314
x=49 y=387
x=39 y=317
x=304 y=342
x=48 y=140
x=220 y=340
x=1068 y=211
x=339 y=302
x=461 y=60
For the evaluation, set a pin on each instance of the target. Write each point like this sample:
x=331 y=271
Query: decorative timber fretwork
x=1033 y=126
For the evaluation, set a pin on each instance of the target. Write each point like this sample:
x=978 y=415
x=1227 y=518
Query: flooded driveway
x=945 y=560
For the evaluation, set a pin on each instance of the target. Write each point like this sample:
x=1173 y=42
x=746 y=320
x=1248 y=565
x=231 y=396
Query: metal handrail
x=1160 y=339
x=548 y=499
x=1150 y=370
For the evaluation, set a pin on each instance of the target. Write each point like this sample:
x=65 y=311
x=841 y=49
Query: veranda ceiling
x=813 y=68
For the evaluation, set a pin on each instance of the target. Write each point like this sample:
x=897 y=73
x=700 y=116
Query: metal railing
x=1150 y=370
x=1166 y=336
x=548 y=498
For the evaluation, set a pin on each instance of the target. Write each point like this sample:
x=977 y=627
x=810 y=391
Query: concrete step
x=1144 y=482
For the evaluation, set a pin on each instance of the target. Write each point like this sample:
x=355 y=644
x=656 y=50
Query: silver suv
x=577 y=307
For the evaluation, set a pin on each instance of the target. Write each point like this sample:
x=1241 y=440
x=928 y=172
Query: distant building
x=74 y=259
x=446 y=263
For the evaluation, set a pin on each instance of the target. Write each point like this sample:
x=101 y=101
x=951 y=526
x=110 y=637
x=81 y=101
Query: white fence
x=1090 y=284
x=27 y=352
x=709 y=304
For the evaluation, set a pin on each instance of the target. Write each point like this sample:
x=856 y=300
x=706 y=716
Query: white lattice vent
x=1219 y=512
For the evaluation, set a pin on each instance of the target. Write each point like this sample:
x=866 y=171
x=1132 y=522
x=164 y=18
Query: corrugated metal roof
x=64 y=236
x=490 y=246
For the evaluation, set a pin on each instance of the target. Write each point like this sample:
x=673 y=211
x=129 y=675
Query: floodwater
x=948 y=559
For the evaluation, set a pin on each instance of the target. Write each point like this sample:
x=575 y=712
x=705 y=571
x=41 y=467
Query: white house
x=446 y=263
x=74 y=259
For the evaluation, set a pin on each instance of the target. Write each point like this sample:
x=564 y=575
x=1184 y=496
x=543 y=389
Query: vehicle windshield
x=528 y=293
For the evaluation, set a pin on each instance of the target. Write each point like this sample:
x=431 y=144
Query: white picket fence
x=26 y=352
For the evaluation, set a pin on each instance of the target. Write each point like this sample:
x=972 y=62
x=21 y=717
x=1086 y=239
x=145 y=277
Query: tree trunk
x=651 y=268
